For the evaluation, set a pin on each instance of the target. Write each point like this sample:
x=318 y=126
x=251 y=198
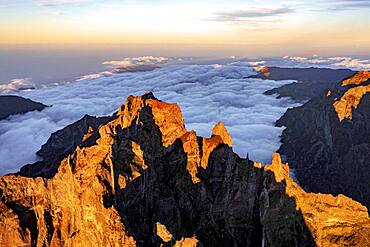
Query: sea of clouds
x=318 y=62
x=207 y=92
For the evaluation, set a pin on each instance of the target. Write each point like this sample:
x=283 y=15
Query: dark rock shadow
x=283 y=224
x=221 y=210
x=329 y=156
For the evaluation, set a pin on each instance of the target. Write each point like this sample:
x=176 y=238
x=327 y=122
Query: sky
x=255 y=27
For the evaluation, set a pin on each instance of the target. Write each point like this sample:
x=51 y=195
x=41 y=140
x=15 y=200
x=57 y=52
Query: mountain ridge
x=13 y=105
x=147 y=181
x=310 y=82
x=326 y=140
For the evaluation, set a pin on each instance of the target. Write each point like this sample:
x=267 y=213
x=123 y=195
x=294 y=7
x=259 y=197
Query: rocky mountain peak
x=352 y=97
x=220 y=130
x=146 y=181
x=167 y=116
x=280 y=170
x=264 y=70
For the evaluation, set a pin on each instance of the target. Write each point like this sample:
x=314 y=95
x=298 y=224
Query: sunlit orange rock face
x=352 y=97
x=147 y=181
x=357 y=79
x=265 y=70
x=332 y=221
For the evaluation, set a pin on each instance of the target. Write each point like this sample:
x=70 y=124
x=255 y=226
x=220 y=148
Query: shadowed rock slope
x=12 y=105
x=327 y=140
x=147 y=181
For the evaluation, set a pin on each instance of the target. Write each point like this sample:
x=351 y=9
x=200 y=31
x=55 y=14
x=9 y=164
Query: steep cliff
x=147 y=181
x=327 y=140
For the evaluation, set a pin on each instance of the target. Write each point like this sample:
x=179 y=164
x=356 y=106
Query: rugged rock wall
x=147 y=181
x=327 y=140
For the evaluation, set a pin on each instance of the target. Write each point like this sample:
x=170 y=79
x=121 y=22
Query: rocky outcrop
x=350 y=101
x=310 y=82
x=147 y=181
x=352 y=96
x=327 y=141
x=328 y=218
x=63 y=143
x=357 y=79
x=12 y=105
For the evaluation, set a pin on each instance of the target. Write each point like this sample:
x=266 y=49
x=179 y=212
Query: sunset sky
x=258 y=26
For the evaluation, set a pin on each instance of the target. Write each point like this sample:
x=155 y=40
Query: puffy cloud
x=354 y=63
x=137 y=64
x=137 y=61
x=327 y=62
x=94 y=76
x=124 y=63
x=206 y=93
x=257 y=63
x=339 y=58
x=17 y=85
x=296 y=59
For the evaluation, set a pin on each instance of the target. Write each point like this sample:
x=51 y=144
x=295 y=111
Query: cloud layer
x=17 y=85
x=318 y=62
x=137 y=61
x=206 y=93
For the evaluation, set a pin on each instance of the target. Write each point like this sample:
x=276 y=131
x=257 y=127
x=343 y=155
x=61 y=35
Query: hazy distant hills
x=311 y=82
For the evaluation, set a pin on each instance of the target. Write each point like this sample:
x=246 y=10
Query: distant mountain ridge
x=311 y=82
x=12 y=105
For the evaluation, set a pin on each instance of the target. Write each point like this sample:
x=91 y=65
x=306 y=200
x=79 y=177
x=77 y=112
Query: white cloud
x=257 y=63
x=296 y=59
x=17 y=85
x=354 y=63
x=94 y=76
x=123 y=63
x=339 y=58
x=206 y=93
x=326 y=62
x=137 y=61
